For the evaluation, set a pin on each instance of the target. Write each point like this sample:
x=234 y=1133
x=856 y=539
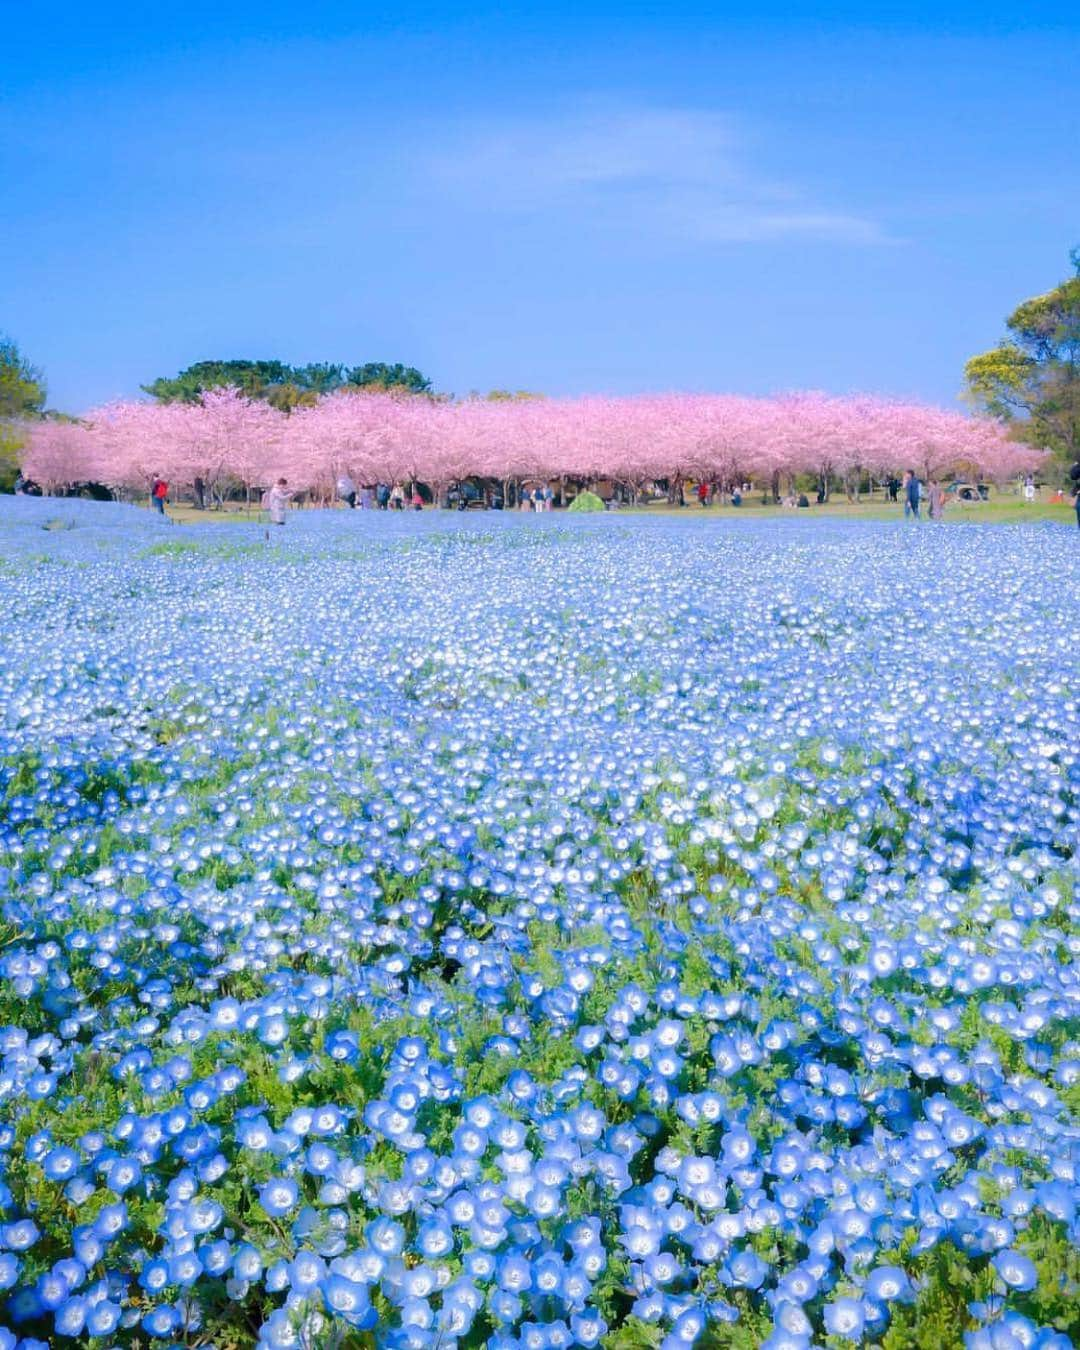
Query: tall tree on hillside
x=1033 y=377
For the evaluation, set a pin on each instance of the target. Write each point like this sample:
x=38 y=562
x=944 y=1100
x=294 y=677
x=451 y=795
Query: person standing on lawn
x=912 y=494
x=159 y=491
x=277 y=500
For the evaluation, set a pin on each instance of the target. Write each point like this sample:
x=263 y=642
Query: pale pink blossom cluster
x=384 y=438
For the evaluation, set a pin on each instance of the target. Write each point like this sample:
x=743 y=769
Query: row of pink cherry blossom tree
x=228 y=440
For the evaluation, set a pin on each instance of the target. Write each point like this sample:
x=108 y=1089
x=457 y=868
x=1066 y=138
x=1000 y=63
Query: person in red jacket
x=159 y=490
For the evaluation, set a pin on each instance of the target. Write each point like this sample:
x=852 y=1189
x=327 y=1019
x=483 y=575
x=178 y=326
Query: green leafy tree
x=22 y=396
x=382 y=376
x=1033 y=377
x=283 y=385
x=22 y=387
x=320 y=377
x=255 y=378
x=10 y=445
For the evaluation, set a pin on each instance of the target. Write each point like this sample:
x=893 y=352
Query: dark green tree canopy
x=1033 y=377
x=283 y=385
x=377 y=374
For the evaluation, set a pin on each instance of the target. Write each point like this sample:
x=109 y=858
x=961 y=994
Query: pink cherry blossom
x=383 y=437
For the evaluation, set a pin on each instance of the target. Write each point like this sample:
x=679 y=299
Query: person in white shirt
x=277 y=499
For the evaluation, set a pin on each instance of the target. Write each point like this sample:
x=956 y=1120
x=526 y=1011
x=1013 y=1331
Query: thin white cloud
x=676 y=172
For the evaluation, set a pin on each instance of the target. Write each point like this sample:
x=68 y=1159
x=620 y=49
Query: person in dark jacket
x=912 y=495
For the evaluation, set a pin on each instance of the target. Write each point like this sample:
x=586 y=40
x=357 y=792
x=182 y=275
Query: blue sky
x=560 y=197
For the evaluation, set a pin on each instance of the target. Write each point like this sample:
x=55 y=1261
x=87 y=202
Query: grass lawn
x=187 y=515
x=1007 y=509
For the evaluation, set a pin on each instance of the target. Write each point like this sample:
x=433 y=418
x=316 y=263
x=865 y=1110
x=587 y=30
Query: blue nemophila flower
x=349 y=1299
x=845 y=1317
x=1015 y=1269
x=102 y=1318
x=154 y=1276
x=161 y=1322
x=122 y=1174
x=279 y=1196
x=1056 y=1198
x=70 y=1318
x=20 y=1235
x=887 y=1284
x=9 y=1269
x=60 y=1163
x=765 y=983
x=306 y=1271
x=216 y=1256
x=52 y=1290
x=746 y=1269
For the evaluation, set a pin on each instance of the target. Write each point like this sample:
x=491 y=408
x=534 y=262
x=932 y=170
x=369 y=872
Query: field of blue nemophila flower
x=427 y=931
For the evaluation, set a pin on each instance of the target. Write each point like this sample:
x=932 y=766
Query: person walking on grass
x=277 y=500
x=159 y=491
